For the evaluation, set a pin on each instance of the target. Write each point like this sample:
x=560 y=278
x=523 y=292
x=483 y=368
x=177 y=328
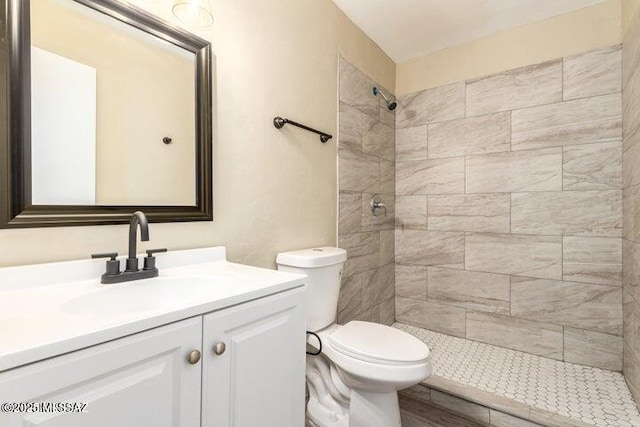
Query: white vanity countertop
x=51 y=309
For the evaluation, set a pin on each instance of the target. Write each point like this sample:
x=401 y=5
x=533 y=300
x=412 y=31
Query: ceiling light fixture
x=193 y=13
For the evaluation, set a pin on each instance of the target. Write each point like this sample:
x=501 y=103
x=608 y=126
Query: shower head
x=391 y=105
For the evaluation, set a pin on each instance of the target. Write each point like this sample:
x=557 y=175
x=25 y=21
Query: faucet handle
x=150 y=260
x=111 y=255
x=113 y=265
x=150 y=252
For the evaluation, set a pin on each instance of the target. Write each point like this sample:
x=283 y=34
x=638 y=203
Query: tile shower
x=366 y=157
x=506 y=218
x=509 y=209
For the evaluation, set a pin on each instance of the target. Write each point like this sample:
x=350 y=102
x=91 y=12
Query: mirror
x=109 y=111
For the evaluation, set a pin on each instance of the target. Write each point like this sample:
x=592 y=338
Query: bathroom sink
x=150 y=295
x=57 y=308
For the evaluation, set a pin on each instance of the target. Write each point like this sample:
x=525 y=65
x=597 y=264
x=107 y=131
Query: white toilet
x=354 y=380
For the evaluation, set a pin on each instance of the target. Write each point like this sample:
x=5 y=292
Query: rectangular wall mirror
x=107 y=110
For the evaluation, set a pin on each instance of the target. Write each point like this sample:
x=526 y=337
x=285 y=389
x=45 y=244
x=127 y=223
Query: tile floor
x=591 y=395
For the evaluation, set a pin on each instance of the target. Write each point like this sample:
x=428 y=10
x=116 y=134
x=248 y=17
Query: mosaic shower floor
x=591 y=395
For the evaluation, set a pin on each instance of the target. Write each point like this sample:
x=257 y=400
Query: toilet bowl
x=360 y=366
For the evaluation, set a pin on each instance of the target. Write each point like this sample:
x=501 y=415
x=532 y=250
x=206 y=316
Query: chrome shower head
x=391 y=105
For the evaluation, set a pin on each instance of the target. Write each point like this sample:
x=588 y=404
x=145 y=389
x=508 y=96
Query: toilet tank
x=323 y=268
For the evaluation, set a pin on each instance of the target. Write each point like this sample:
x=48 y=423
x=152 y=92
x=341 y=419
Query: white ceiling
x=406 y=29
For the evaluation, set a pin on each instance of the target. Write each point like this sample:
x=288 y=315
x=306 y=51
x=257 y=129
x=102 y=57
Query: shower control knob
x=194 y=357
x=219 y=348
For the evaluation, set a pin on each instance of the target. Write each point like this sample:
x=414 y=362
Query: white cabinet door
x=140 y=380
x=259 y=379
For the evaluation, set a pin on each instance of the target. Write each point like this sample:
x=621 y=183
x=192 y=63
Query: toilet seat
x=379 y=344
x=375 y=364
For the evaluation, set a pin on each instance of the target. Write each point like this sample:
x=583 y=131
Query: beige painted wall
x=128 y=64
x=579 y=31
x=274 y=190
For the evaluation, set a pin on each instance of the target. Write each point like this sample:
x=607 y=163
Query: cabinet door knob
x=194 y=357
x=219 y=348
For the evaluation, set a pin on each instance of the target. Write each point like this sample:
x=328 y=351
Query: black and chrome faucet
x=132 y=270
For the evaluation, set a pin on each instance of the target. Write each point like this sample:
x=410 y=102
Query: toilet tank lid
x=311 y=258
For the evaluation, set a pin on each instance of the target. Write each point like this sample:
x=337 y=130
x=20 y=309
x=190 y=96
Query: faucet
x=132 y=272
x=137 y=219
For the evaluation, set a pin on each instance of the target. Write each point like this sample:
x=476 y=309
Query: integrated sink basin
x=51 y=309
x=151 y=295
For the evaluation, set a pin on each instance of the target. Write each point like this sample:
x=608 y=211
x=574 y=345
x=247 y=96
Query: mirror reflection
x=113 y=112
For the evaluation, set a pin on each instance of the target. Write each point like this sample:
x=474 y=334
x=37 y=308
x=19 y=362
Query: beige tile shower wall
x=366 y=163
x=509 y=209
x=631 y=204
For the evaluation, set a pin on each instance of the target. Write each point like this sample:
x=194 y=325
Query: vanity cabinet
x=254 y=364
x=250 y=373
x=141 y=380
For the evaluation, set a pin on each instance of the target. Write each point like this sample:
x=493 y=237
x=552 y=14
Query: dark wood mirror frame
x=16 y=210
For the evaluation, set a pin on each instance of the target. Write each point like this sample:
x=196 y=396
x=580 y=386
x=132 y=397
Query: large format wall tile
x=475 y=135
x=469 y=212
x=357 y=171
x=597 y=72
x=533 y=256
x=439 y=176
x=631 y=48
x=519 y=88
x=592 y=166
x=412 y=143
x=388 y=117
x=630 y=105
x=631 y=213
x=363 y=252
x=387 y=246
x=581 y=213
x=581 y=121
x=349 y=213
x=532 y=337
x=436 y=317
x=388 y=311
x=411 y=281
x=469 y=289
x=431 y=105
x=430 y=247
x=387 y=177
x=411 y=212
x=356 y=90
x=631 y=268
x=535 y=170
x=592 y=307
x=378 y=286
x=596 y=260
x=350 y=300
x=631 y=166
x=350 y=127
x=378 y=139
x=593 y=349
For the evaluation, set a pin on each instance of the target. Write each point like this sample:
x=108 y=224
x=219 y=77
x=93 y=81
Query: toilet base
x=369 y=409
x=333 y=404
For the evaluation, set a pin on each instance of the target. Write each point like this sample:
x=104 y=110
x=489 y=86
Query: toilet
x=360 y=366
